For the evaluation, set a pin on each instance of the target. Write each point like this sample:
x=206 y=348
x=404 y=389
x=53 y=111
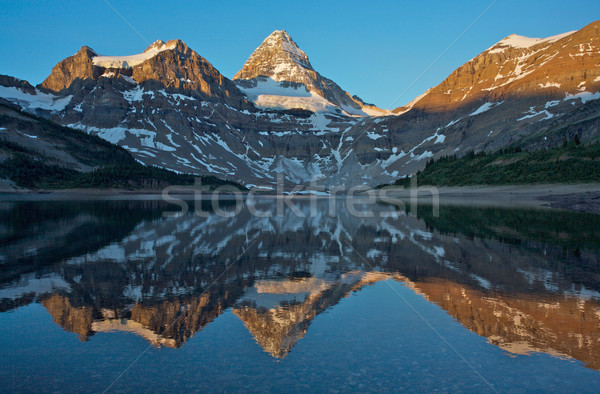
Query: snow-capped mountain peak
x=175 y=110
x=278 y=58
x=281 y=39
x=517 y=41
x=279 y=74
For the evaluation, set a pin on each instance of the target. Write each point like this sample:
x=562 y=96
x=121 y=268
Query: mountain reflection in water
x=528 y=281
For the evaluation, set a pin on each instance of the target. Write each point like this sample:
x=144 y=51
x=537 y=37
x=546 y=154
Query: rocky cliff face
x=280 y=58
x=277 y=328
x=79 y=66
x=73 y=319
x=562 y=326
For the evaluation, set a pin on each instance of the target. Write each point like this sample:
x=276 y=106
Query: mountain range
x=169 y=107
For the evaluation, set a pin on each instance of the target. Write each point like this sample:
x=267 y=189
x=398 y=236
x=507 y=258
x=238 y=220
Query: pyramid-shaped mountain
x=278 y=74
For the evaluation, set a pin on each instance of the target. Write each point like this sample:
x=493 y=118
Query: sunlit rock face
x=560 y=325
x=171 y=65
x=77 y=320
x=527 y=285
x=279 y=312
x=520 y=67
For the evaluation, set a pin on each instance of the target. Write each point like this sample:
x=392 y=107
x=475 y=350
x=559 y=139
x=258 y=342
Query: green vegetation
x=570 y=163
x=572 y=231
x=568 y=241
x=573 y=235
x=88 y=149
x=114 y=166
x=30 y=173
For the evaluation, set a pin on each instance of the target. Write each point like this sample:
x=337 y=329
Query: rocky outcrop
x=278 y=328
x=182 y=69
x=24 y=86
x=171 y=65
x=79 y=66
x=280 y=58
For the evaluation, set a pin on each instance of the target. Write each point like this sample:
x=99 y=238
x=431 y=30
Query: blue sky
x=374 y=49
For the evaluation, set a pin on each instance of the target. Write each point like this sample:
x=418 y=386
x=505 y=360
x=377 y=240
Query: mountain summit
x=279 y=58
x=520 y=67
x=278 y=74
x=171 y=65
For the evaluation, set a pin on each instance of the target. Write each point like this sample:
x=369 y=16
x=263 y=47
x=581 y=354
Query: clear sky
x=374 y=49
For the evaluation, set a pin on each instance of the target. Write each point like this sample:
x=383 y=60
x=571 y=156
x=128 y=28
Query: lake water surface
x=113 y=295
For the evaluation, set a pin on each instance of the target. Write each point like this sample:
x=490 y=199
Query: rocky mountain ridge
x=529 y=92
x=171 y=108
x=170 y=65
x=520 y=66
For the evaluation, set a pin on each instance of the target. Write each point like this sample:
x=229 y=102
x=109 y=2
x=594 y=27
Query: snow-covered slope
x=132 y=60
x=517 y=41
x=270 y=93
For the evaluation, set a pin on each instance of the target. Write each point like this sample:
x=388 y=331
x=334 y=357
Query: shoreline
x=574 y=197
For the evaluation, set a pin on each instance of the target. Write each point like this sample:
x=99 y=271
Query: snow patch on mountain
x=269 y=93
x=532 y=114
x=485 y=107
x=549 y=85
x=132 y=60
x=44 y=101
x=28 y=284
x=517 y=41
x=584 y=96
x=268 y=86
x=374 y=136
x=314 y=103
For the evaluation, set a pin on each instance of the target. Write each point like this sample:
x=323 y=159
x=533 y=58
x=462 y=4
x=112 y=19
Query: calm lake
x=116 y=296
